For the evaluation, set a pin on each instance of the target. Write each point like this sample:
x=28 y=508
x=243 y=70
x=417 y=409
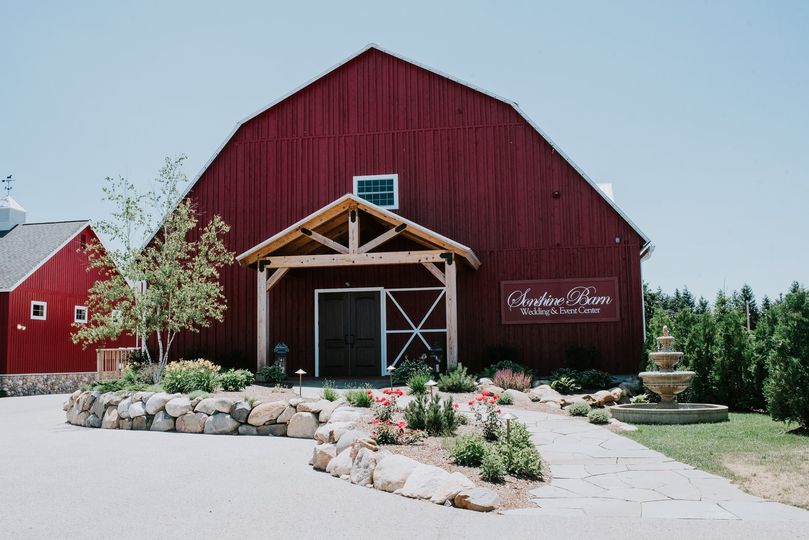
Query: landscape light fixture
x=391 y=369
x=508 y=417
x=300 y=373
x=432 y=384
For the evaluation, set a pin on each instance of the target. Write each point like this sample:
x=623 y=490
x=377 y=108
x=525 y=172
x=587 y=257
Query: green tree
x=169 y=285
x=787 y=387
x=730 y=376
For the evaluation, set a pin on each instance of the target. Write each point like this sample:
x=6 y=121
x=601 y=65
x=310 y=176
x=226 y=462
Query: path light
x=508 y=417
x=391 y=369
x=300 y=373
x=432 y=384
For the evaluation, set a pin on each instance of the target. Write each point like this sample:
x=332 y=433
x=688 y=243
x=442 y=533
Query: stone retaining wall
x=33 y=384
x=216 y=415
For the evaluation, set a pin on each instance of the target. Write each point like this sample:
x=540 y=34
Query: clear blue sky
x=697 y=112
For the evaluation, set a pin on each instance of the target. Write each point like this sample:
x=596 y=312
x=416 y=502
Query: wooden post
x=354 y=230
x=262 y=328
x=451 y=298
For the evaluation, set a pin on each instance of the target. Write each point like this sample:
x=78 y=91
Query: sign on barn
x=559 y=301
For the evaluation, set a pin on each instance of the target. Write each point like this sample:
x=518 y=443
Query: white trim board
x=511 y=103
x=383 y=368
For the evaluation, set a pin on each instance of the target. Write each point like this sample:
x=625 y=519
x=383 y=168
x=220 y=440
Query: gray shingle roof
x=25 y=247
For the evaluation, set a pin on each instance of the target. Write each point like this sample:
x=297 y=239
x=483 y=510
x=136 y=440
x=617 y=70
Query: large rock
x=124 y=423
x=545 y=394
x=340 y=465
x=142 y=423
x=328 y=410
x=113 y=398
x=603 y=397
x=362 y=470
x=86 y=401
x=178 y=406
x=93 y=421
x=215 y=404
x=348 y=438
x=273 y=430
x=247 y=429
x=110 y=419
x=392 y=472
x=123 y=408
x=331 y=432
x=98 y=407
x=266 y=412
x=347 y=414
x=221 y=424
x=322 y=455
x=314 y=406
x=617 y=394
x=142 y=396
x=450 y=487
x=478 y=499
x=423 y=482
x=162 y=421
x=485 y=381
x=241 y=411
x=158 y=401
x=302 y=425
x=288 y=413
x=191 y=422
x=519 y=399
x=137 y=409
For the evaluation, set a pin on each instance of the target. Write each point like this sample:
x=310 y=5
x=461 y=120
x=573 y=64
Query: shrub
x=599 y=416
x=490 y=371
x=505 y=399
x=329 y=393
x=581 y=357
x=506 y=378
x=359 y=397
x=409 y=367
x=385 y=406
x=492 y=468
x=565 y=385
x=588 y=378
x=579 y=409
x=640 y=398
x=273 y=374
x=487 y=415
x=234 y=380
x=418 y=383
x=468 y=450
x=432 y=415
x=188 y=375
x=519 y=454
x=787 y=388
x=457 y=380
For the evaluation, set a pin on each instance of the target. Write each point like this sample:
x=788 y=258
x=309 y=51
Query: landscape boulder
x=348 y=438
x=518 y=398
x=322 y=455
x=191 y=422
x=328 y=410
x=273 y=430
x=346 y=414
x=302 y=425
x=137 y=409
x=340 y=465
x=241 y=411
x=247 y=429
x=392 y=472
x=365 y=463
x=479 y=499
x=313 y=406
x=123 y=408
x=331 y=432
x=178 y=406
x=220 y=424
x=93 y=421
x=163 y=421
x=286 y=415
x=450 y=487
x=423 y=482
x=110 y=419
x=265 y=413
x=158 y=401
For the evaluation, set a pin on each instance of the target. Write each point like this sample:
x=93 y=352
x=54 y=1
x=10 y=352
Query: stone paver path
x=599 y=473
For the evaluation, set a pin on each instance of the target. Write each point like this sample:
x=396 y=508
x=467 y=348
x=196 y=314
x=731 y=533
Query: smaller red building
x=43 y=292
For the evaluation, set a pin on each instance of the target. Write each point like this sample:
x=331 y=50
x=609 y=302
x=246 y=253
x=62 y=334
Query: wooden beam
x=328 y=242
x=382 y=238
x=450 y=271
x=276 y=277
x=353 y=259
x=353 y=230
x=439 y=275
x=262 y=322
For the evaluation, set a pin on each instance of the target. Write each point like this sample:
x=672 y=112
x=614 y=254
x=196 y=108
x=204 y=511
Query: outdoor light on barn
x=459 y=225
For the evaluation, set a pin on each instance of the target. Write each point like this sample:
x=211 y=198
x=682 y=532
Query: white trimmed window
x=39 y=310
x=80 y=314
x=379 y=189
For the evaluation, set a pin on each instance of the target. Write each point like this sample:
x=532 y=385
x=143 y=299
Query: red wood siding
x=45 y=346
x=469 y=167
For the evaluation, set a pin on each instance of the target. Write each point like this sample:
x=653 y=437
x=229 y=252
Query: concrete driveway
x=59 y=481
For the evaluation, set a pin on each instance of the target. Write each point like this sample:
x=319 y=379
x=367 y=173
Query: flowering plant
x=384 y=406
x=487 y=415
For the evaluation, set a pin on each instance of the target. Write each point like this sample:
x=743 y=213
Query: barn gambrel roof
x=25 y=248
x=646 y=241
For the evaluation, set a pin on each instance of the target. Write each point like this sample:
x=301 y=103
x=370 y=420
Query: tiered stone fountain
x=667 y=384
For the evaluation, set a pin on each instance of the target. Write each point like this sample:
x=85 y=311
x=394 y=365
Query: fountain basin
x=682 y=413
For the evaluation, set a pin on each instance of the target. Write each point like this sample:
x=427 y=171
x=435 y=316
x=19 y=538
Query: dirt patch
x=785 y=479
x=463 y=399
x=264 y=394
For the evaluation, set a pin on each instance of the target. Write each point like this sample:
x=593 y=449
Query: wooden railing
x=111 y=362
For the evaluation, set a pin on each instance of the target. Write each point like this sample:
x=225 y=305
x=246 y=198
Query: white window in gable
x=80 y=314
x=379 y=189
x=39 y=310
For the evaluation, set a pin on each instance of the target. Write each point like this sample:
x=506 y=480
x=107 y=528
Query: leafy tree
x=787 y=387
x=168 y=286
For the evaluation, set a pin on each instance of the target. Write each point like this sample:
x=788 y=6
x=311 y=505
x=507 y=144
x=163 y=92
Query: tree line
x=750 y=355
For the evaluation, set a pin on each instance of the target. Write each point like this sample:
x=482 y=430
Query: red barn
x=384 y=208
x=43 y=292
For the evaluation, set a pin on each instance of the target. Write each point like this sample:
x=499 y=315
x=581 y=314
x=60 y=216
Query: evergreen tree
x=787 y=387
x=761 y=347
x=745 y=302
x=701 y=356
x=730 y=376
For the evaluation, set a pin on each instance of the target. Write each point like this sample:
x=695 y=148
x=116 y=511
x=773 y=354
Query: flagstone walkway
x=598 y=473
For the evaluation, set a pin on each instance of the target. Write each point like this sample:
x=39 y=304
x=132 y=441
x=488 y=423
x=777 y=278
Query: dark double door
x=349 y=334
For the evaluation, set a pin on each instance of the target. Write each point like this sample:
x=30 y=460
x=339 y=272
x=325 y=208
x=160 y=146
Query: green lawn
x=751 y=449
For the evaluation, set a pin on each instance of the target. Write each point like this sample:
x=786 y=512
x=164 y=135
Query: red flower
x=497 y=411
x=370 y=392
x=455 y=405
x=401 y=424
x=375 y=421
x=471 y=403
x=496 y=396
x=486 y=393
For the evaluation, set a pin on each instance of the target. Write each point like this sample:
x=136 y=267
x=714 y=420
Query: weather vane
x=7 y=184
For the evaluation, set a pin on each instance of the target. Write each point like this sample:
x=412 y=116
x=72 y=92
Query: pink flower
x=471 y=403
x=455 y=405
x=497 y=411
